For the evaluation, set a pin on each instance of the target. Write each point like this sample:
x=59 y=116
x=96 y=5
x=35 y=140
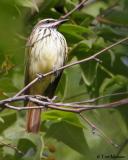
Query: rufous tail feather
x=33 y=119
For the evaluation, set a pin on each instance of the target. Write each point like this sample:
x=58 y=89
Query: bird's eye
x=47 y=21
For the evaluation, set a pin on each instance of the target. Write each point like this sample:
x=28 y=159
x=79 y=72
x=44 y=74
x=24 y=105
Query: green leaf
x=85 y=49
x=111 y=85
x=69 y=134
x=74 y=33
x=118 y=17
x=75 y=28
x=31 y=145
x=9 y=117
x=28 y=145
x=46 y=5
x=110 y=33
x=57 y=116
x=75 y=89
x=89 y=72
x=81 y=47
x=1 y=120
x=124 y=59
x=72 y=37
x=95 y=8
x=111 y=122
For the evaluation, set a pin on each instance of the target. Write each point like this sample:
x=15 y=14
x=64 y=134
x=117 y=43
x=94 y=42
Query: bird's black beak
x=60 y=21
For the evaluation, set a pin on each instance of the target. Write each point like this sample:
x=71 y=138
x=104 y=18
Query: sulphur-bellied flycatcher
x=47 y=51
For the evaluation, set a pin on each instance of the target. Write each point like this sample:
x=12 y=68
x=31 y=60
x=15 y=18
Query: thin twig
x=107 y=21
x=100 y=97
x=125 y=143
x=109 y=9
x=11 y=146
x=94 y=127
x=27 y=86
x=74 y=9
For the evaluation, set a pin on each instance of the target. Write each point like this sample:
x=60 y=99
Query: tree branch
x=69 y=107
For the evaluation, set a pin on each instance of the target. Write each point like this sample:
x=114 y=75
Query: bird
x=46 y=51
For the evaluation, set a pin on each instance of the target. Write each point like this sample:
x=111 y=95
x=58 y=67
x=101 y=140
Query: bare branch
x=44 y=102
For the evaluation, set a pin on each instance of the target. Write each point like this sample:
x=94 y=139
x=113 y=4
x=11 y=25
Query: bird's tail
x=33 y=119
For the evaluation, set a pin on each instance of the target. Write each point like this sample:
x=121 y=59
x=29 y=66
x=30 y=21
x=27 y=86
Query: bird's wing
x=49 y=92
x=27 y=59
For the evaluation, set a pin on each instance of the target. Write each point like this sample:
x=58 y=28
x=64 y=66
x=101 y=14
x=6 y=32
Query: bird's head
x=51 y=23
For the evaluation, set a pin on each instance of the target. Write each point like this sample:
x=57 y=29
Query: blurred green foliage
x=65 y=135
